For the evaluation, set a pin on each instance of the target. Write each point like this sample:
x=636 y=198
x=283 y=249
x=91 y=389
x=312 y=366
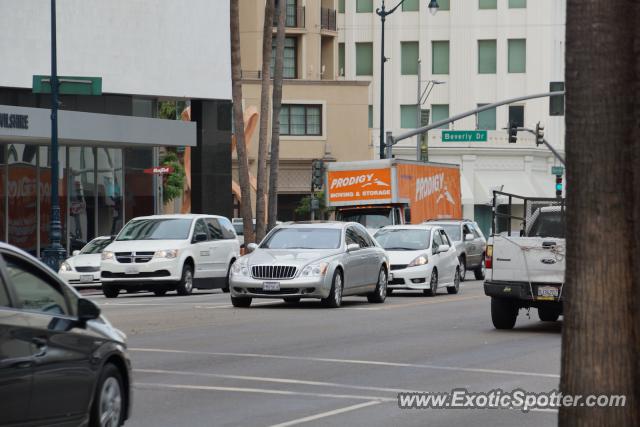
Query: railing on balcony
x=294 y=15
x=328 y=19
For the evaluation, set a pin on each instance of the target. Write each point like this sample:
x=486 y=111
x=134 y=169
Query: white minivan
x=161 y=253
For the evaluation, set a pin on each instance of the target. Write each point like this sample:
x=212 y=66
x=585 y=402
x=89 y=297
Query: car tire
x=433 y=284
x=225 y=289
x=389 y=291
x=241 y=302
x=110 y=291
x=380 y=293
x=479 y=272
x=159 y=292
x=463 y=268
x=504 y=313
x=185 y=287
x=548 y=314
x=456 y=283
x=292 y=300
x=334 y=300
x=109 y=399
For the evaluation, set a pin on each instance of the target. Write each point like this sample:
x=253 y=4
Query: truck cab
x=374 y=217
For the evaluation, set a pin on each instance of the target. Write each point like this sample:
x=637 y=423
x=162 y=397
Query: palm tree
x=243 y=161
x=264 y=119
x=275 y=121
x=601 y=330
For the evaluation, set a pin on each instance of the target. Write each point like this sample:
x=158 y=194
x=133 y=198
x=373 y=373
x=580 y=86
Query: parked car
x=324 y=260
x=422 y=258
x=170 y=252
x=470 y=244
x=61 y=362
x=83 y=268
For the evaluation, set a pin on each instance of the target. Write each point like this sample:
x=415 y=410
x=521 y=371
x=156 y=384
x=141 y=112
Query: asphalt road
x=200 y=362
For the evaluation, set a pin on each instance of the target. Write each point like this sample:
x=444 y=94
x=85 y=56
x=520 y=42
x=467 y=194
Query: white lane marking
x=277 y=380
x=263 y=391
x=353 y=361
x=327 y=414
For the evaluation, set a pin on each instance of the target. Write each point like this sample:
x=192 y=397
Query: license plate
x=86 y=278
x=548 y=292
x=271 y=286
x=131 y=270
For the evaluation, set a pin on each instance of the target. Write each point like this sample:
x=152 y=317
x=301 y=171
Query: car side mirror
x=200 y=237
x=251 y=247
x=87 y=310
x=352 y=247
x=76 y=252
x=468 y=236
x=443 y=248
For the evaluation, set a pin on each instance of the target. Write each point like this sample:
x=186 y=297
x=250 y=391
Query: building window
x=440 y=57
x=517 y=4
x=486 y=119
x=409 y=53
x=486 y=56
x=516 y=115
x=364 y=6
x=364 y=59
x=299 y=119
x=340 y=6
x=488 y=4
x=444 y=5
x=440 y=112
x=409 y=116
x=370 y=116
x=341 y=69
x=290 y=63
x=411 y=6
x=517 y=55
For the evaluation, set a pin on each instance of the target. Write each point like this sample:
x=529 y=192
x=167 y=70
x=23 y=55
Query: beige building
x=322 y=117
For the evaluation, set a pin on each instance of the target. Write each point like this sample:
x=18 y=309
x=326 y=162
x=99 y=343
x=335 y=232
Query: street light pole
x=55 y=253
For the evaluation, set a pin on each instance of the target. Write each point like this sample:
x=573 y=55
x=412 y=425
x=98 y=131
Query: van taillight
x=488 y=259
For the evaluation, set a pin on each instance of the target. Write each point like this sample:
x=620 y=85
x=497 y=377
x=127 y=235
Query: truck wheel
x=185 y=287
x=433 y=284
x=240 y=301
x=480 y=270
x=380 y=294
x=503 y=313
x=456 y=284
x=110 y=291
x=548 y=314
x=334 y=300
x=463 y=268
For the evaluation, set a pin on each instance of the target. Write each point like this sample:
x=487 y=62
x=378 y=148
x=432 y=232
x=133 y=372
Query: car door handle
x=17 y=362
x=41 y=343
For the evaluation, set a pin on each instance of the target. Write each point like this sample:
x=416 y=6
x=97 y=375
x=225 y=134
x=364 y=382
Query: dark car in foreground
x=61 y=362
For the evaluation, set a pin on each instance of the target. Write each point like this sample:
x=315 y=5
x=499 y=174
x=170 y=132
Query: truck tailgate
x=542 y=257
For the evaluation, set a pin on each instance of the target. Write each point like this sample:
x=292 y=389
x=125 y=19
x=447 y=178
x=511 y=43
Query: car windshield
x=371 y=219
x=95 y=246
x=303 y=238
x=156 y=229
x=548 y=224
x=403 y=239
x=453 y=231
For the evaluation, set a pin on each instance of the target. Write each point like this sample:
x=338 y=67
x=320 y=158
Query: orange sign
x=359 y=185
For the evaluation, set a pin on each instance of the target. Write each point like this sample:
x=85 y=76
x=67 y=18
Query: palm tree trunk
x=241 y=148
x=267 y=36
x=601 y=331
x=275 y=121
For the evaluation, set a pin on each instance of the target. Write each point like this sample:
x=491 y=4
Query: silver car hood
x=298 y=257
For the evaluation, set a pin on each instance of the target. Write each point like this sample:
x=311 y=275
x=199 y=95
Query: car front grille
x=87 y=269
x=134 y=257
x=273 y=271
x=398 y=266
x=144 y=274
x=260 y=291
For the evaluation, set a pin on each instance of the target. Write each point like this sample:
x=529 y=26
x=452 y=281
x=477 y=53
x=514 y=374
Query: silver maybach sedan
x=323 y=260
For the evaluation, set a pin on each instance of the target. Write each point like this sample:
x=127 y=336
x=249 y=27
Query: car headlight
x=107 y=255
x=240 y=268
x=421 y=260
x=315 y=270
x=65 y=266
x=166 y=253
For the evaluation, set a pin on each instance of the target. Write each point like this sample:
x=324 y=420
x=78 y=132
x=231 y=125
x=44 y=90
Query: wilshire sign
x=14 y=121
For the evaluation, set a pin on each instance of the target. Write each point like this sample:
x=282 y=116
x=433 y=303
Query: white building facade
x=478 y=52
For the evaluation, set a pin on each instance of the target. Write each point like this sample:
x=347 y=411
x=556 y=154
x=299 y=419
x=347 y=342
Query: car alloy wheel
x=456 y=283
x=433 y=284
x=463 y=268
x=382 y=284
x=110 y=403
x=337 y=290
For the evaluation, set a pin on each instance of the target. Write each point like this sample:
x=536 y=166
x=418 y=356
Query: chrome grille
x=134 y=257
x=273 y=271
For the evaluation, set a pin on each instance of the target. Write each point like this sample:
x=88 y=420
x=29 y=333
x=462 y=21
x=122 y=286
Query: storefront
x=102 y=162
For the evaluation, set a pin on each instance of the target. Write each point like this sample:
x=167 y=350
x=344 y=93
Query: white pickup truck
x=526 y=270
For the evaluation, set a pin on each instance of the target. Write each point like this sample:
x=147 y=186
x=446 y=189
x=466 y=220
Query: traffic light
x=539 y=134
x=558 y=185
x=317 y=174
x=513 y=133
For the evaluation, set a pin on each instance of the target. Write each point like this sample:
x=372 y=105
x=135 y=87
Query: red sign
x=160 y=170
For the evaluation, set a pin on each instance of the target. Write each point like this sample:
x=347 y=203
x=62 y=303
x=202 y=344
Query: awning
x=515 y=182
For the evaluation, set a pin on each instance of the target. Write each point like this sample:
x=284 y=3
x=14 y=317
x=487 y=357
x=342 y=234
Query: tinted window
x=200 y=228
x=445 y=239
x=34 y=290
x=403 y=239
x=303 y=238
x=156 y=229
x=377 y=218
x=227 y=228
x=361 y=236
x=95 y=246
x=4 y=298
x=474 y=230
x=453 y=231
x=350 y=237
x=548 y=224
x=437 y=240
x=215 y=231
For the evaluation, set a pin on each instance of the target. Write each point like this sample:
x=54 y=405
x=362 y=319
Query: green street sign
x=464 y=136
x=69 y=85
x=557 y=170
